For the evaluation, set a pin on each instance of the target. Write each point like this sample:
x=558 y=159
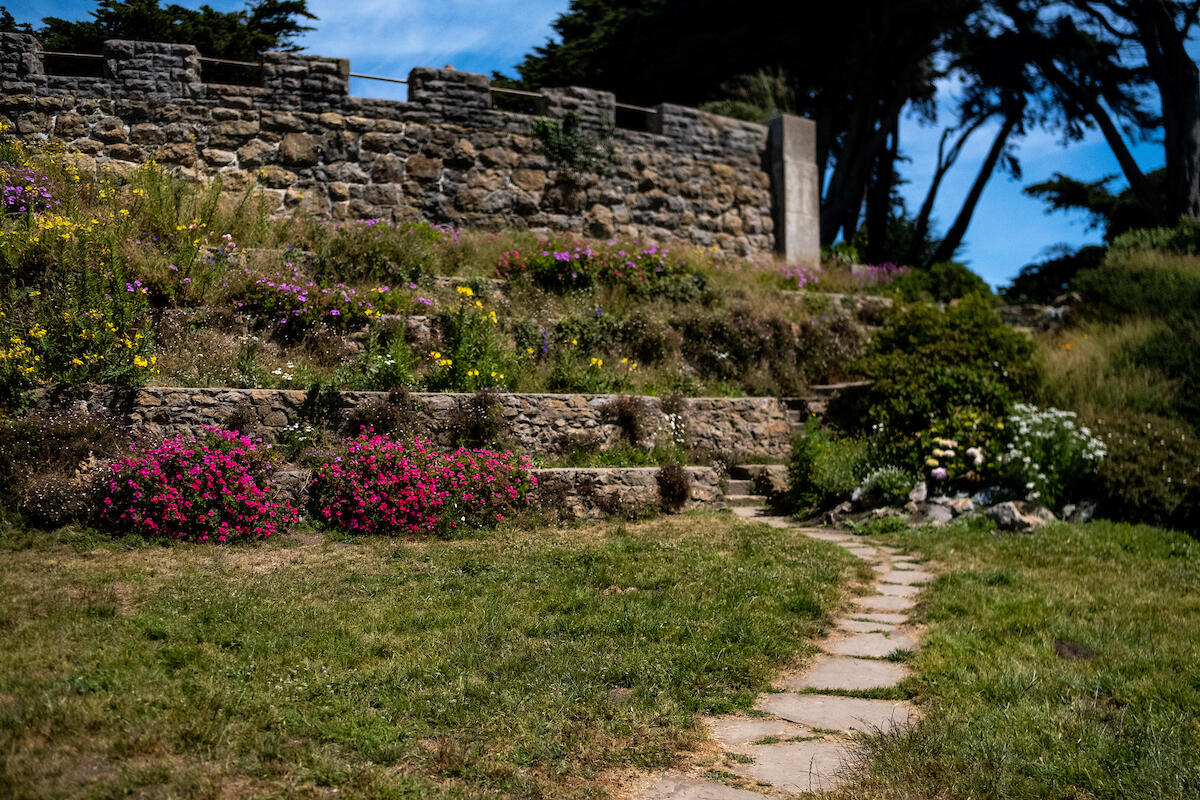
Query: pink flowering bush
x=199 y=490
x=384 y=486
x=563 y=265
x=291 y=304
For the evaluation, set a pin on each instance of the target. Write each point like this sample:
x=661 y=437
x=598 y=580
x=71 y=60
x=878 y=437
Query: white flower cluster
x=1047 y=449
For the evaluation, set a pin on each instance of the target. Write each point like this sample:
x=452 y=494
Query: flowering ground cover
x=519 y=664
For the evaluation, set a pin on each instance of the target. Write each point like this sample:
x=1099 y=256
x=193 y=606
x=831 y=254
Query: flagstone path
x=802 y=738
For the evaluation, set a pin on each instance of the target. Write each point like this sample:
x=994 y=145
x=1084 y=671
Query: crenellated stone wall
x=734 y=427
x=447 y=154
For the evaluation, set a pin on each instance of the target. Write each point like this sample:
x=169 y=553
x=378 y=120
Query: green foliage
x=888 y=485
x=840 y=253
x=824 y=467
x=570 y=149
x=1141 y=283
x=381 y=250
x=1151 y=472
x=1117 y=213
x=50 y=461
x=1049 y=458
x=243 y=35
x=674 y=486
x=477 y=356
x=1181 y=239
x=1045 y=281
x=929 y=365
x=940 y=283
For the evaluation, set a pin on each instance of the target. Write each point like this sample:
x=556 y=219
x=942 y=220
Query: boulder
x=919 y=493
x=1014 y=516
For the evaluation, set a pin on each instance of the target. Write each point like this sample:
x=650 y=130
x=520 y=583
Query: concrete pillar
x=792 y=149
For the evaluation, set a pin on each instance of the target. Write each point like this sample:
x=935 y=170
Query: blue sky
x=386 y=37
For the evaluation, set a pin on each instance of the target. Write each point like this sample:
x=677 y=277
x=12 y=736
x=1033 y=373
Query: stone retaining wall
x=581 y=493
x=735 y=427
x=446 y=155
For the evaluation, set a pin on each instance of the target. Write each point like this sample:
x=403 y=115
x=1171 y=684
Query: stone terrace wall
x=446 y=155
x=742 y=427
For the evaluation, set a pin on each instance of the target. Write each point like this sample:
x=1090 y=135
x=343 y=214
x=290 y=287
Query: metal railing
x=363 y=76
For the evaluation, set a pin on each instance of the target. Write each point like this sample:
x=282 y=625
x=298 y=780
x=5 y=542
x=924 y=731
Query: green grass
x=387 y=668
x=1006 y=716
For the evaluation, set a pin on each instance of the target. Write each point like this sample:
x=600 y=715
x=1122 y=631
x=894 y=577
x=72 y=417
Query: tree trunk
x=945 y=249
x=879 y=198
x=1178 y=81
x=944 y=162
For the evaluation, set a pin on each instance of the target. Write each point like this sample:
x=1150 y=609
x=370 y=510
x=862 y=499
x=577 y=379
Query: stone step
x=869 y=645
x=739 y=486
x=831 y=712
x=745 y=500
x=797 y=767
x=838 y=673
x=682 y=787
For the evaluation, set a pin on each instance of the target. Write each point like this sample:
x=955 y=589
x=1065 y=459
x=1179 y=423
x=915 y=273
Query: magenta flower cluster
x=384 y=486
x=25 y=189
x=198 y=490
x=579 y=264
x=294 y=302
x=878 y=274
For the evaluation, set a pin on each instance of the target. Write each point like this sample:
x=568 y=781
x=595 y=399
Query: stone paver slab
x=904 y=563
x=837 y=713
x=827 y=535
x=796 y=767
x=865 y=553
x=898 y=589
x=906 y=576
x=678 y=787
x=847 y=674
x=739 y=732
x=884 y=603
x=869 y=645
x=862 y=626
x=890 y=619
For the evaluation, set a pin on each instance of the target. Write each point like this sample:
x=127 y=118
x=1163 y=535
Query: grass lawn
x=1061 y=664
x=309 y=667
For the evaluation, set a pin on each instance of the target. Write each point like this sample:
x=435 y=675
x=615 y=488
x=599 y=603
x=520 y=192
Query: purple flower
x=938 y=473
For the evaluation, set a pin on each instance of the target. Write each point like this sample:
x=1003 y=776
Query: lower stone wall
x=734 y=427
x=580 y=493
x=622 y=491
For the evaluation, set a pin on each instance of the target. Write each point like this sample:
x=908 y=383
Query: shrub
x=1141 y=284
x=1046 y=281
x=1182 y=238
x=381 y=250
x=50 y=461
x=1048 y=457
x=1151 y=472
x=477 y=420
x=941 y=283
x=824 y=467
x=630 y=415
x=200 y=490
x=674 y=486
x=929 y=365
x=569 y=148
x=390 y=416
x=383 y=486
x=887 y=486
x=476 y=355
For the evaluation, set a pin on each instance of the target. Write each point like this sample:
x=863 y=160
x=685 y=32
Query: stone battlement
x=447 y=154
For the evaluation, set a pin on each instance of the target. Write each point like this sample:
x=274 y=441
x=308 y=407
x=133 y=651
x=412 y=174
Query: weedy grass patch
x=495 y=666
x=1059 y=664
